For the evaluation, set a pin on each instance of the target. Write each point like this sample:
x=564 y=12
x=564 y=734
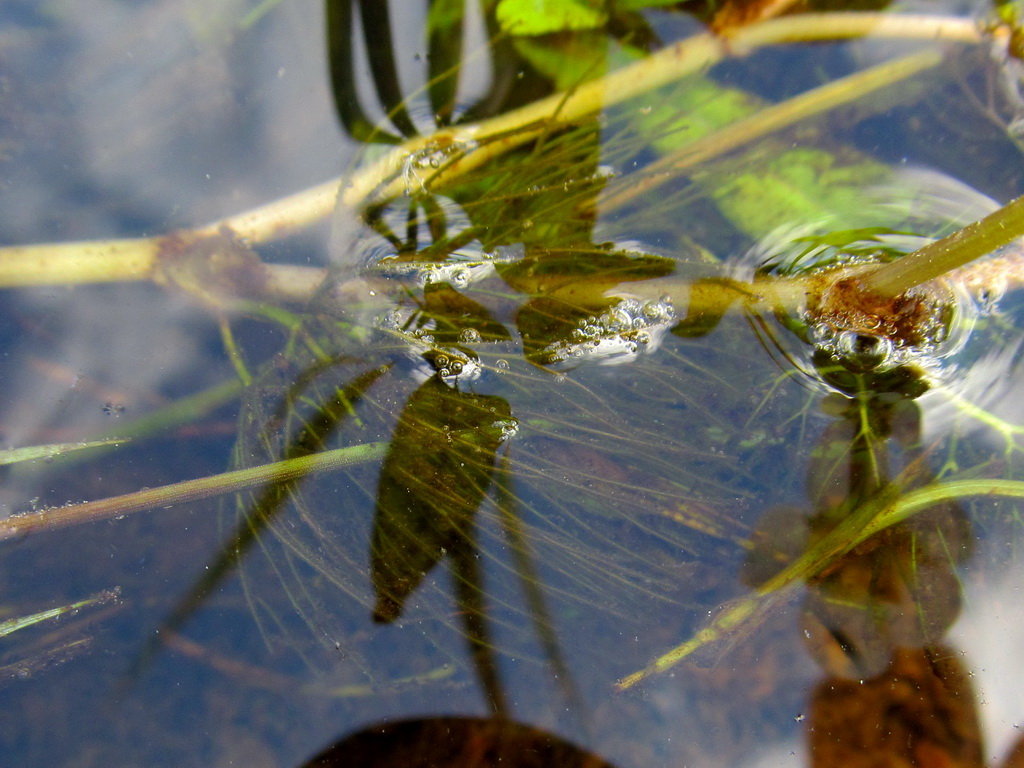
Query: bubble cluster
x=456 y=275
x=509 y=427
x=392 y=321
x=617 y=335
x=453 y=366
x=459 y=269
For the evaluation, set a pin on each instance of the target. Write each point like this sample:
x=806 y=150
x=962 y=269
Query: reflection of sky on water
x=113 y=346
x=990 y=630
x=126 y=119
x=154 y=115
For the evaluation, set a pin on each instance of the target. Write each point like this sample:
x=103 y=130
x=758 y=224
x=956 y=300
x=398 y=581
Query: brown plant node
x=918 y=317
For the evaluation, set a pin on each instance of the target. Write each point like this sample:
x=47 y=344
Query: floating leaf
x=581 y=276
x=567 y=62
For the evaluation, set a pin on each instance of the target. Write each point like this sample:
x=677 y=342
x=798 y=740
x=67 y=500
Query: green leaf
x=445 y=15
x=542 y=17
x=693 y=109
x=582 y=275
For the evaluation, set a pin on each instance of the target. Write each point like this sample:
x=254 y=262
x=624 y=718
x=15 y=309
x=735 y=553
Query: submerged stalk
x=21 y=622
x=99 y=261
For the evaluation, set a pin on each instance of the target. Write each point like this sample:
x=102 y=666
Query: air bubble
x=865 y=352
x=822 y=334
x=470 y=336
x=616 y=336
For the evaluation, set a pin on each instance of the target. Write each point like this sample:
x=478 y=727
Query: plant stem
x=955 y=250
x=282 y=217
x=470 y=146
x=188 y=490
x=957 y=490
x=21 y=622
x=52 y=451
x=99 y=261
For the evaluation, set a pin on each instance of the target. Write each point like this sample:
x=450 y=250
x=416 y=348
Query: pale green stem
x=188 y=490
x=54 y=450
x=953 y=251
x=99 y=261
x=930 y=495
x=227 y=338
x=282 y=217
x=845 y=25
x=13 y=625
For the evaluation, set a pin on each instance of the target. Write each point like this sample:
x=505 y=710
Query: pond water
x=576 y=441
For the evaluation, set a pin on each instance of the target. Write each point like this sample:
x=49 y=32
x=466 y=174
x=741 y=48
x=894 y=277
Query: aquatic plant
x=448 y=358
